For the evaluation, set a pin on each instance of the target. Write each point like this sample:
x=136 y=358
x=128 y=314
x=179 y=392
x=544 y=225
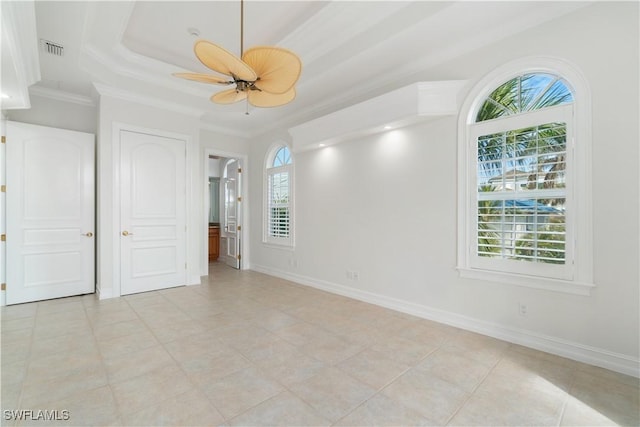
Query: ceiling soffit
x=380 y=44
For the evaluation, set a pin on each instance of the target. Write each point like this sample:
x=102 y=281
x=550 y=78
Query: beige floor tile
x=114 y=313
x=331 y=349
x=302 y=333
x=273 y=320
x=205 y=367
x=372 y=368
x=127 y=344
x=187 y=409
x=293 y=368
x=577 y=413
x=15 y=351
x=11 y=312
x=144 y=299
x=109 y=331
x=263 y=351
x=332 y=393
x=272 y=350
x=482 y=349
x=63 y=364
x=150 y=389
x=482 y=411
x=383 y=411
x=285 y=410
x=428 y=332
x=612 y=399
x=130 y=365
x=454 y=368
x=10 y=396
x=432 y=397
x=60 y=305
x=37 y=391
x=95 y=407
x=192 y=345
x=44 y=347
x=403 y=350
x=18 y=324
x=167 y=332
x=235 y=393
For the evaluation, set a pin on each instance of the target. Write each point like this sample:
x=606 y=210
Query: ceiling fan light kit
x=264 y=75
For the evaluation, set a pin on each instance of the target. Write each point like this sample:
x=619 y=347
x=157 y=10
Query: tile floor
x=248 y=349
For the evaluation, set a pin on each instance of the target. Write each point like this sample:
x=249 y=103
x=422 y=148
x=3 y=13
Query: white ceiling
x=351 y=50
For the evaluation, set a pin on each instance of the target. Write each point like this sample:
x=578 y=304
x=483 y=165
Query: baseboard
x=104 y=293
x=193 y=280
x=622 y=363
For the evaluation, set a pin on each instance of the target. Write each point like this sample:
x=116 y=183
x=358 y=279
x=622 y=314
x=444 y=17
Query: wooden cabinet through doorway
x=214 y=242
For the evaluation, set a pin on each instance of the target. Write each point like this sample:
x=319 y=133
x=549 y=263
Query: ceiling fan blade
x=228 y=96
x=278 y=69
x=265 y=99
x=203 y=78
x=223 y=61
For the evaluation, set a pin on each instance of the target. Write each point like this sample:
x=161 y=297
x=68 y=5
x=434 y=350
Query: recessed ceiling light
x=193 y=32
x=322 y=145
x=387 y=127
x=4 y=96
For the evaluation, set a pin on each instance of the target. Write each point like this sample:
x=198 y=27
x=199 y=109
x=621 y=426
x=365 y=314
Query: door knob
x=89 y=234
x=126 y=233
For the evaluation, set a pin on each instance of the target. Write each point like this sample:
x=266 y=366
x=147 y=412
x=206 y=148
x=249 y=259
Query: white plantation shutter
x=522 y=202
x=278 y=206
x=278 y=200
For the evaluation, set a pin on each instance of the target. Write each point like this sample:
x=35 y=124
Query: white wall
x=385 y=206
x=57 y=114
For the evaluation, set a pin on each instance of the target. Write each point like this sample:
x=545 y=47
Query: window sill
x=281 y=246
x=557 y=285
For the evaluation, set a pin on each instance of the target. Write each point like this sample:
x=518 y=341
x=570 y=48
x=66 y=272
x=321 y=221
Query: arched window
x=522 y=187
x=278 y=224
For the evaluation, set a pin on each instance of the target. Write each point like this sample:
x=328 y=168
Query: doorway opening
x=225 y=210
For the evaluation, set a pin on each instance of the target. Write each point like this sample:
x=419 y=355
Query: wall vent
x=52 y=48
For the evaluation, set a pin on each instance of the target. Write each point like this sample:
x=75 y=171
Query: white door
x=153 y=212
x=50 y=213
x=232 y=213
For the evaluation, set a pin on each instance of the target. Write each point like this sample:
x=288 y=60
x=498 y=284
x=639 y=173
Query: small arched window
x=278 y=224
x=521 y=197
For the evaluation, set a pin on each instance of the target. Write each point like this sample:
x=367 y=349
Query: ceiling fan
x=264 y=75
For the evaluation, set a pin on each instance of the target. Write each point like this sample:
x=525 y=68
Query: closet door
x=153 y=212
x=50 y=213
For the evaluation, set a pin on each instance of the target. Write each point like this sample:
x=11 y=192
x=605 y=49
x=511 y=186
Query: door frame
x=116 y=129
x=244 y=243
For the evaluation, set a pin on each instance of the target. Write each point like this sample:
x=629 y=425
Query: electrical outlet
x=522 y=309
x=352 y=275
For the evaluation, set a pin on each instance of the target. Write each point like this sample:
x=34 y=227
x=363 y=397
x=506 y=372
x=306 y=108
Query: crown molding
x=60 y=95
x=125 y=95
x=19 y=52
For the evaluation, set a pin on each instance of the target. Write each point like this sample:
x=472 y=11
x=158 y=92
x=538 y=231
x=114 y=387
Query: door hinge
x=239 y=199
x=3 y=188
x=239 y=227
x=3 y=287
x=239 y=256
x=4 y=139
x=3 y=237
x=239 y=170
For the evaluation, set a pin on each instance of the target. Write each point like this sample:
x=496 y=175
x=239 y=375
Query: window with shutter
x=522 y=188
x=278 y=213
